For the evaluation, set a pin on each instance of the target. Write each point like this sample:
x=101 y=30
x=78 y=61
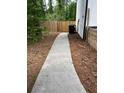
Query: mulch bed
x=36 y=55
x=84 y=60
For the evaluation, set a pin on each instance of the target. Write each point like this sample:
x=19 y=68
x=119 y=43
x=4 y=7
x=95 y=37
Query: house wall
x=80 y=15
x=92 y=37
x=92 y=5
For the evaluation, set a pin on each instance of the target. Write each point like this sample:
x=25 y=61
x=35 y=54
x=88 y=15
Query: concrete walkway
x=58 y=74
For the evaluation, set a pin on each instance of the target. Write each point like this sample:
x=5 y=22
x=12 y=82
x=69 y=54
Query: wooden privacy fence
x=58 y=26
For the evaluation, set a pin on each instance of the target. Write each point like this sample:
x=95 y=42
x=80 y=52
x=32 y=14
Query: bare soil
x=84 y=60
x=36 y=55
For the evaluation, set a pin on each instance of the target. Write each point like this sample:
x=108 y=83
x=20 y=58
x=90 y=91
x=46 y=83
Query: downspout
x=84 y=34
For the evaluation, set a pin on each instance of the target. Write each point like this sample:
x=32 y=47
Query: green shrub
x=35 y=14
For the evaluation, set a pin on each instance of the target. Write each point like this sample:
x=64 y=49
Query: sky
x=54 y=1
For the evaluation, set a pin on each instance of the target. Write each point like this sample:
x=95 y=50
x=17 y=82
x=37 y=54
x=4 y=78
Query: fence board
x=58 y=26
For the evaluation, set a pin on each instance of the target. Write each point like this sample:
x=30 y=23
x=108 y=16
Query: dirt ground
x=84 y=60
x=36 y=55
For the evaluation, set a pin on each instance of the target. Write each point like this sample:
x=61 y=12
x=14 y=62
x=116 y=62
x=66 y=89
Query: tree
x=60 y=9
x=63 y=10
x=38 y=12
x=35 y=14
x=50 y=6
x=71 y=11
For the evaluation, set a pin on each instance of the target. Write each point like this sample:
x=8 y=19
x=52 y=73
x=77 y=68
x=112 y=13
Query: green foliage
x=50 y=6
x=63 y=10
x=38 y=12
x=71 y=11
x=60 y=8
x=35 y=14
